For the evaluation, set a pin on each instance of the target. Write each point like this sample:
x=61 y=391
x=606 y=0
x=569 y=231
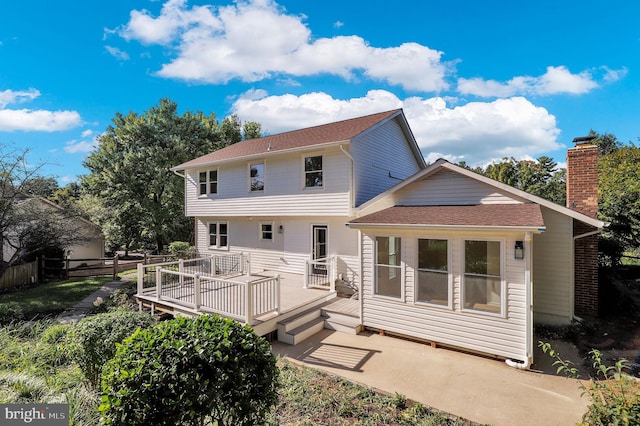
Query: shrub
x=615 y=396
x=181 y=249
x=189 y=371
x=92 y=342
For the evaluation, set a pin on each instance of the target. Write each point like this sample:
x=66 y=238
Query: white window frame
x=305 y=172
x=208 y=181
x=503 y=287
x=416 y=293
x=217 y=224
x=261 y=232
x=264 y=173
x=399 y=269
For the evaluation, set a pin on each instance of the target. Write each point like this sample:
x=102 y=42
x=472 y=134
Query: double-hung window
x=256 y=176
x=388 y=267
x=313 y=172
x=266 y=231
x=482 y=283
x=433 y=272
x=219 y=234
x=208 y=181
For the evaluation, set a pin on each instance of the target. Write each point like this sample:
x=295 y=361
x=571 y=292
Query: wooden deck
x=294 y=300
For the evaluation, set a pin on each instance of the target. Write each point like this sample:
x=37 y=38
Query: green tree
x=607 y=142
x=619 y=195
x=141 y=198
x=40 y=186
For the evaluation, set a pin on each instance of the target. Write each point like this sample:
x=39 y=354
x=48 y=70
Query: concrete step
x=339 y=316
x=299 y=334
x=344 y=324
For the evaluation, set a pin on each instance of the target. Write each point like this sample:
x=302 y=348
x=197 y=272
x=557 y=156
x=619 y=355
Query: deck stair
x=340 y=315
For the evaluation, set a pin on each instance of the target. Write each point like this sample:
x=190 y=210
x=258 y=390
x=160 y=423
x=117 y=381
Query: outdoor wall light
x=280 y=229
x=518 y=250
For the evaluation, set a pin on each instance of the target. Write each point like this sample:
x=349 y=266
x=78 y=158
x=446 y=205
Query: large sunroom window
x=433 y=272
x=482 y=286
x=388 y=267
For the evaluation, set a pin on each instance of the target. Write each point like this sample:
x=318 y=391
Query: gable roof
x=503 y=216
x=338 y=132
x=444 y=164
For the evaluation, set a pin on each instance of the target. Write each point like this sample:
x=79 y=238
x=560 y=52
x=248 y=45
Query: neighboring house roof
x=30 y=199
x=501 y=216
x=327 y=134
x=444 y=164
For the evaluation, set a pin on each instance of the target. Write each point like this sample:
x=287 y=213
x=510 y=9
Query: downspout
x=573 y=261
x=352 y=199
x=528 y=300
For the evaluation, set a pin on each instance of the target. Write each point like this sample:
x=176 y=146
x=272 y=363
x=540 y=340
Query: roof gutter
x=535 y=229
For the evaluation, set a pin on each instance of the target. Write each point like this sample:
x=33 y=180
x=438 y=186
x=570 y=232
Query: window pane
x=266 y=230
x=212 y=234
x=388 y=251
x=313 y=163
x=223 y=240
x=213 y=187
x=432 y=254
x=313 y=179
x=213 y=182
x=482 y=257
x=482 y=293
x=433 y=287
x=388 y=281
x=203 y=182
x=257 y=177
x=223 y=228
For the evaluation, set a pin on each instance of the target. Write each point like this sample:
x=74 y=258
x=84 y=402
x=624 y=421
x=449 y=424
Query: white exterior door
x=319 y=248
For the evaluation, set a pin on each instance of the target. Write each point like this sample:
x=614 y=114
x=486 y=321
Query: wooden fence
x=72 y=268
x=17 y=276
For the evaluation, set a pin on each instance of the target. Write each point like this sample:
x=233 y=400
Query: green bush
x=181 y=249
x=189 y=372
x=615 y=396
x=92 y=342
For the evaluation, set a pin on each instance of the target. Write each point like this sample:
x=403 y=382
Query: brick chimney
x=582 y=196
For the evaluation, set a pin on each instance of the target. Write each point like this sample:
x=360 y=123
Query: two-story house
x=437 y=252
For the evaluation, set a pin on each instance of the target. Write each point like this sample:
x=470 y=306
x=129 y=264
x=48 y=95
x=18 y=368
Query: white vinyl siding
x=504 y=336
x=552 y=263
x=382 y=158
x=283 y=194
x=288 y=250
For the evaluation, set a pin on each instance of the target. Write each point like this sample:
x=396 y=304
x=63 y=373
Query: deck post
x=159 y=283
x=213 y=265
x=332 y=273
x=249 y=294
x=198 y=293
x=278 y=294
x=181 y=270
x=305 y=277
x=140 y=278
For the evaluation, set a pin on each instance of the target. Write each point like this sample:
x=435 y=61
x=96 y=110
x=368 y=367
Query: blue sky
x=477 y=80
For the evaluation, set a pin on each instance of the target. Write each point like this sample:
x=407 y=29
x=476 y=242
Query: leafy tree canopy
x=136 y=197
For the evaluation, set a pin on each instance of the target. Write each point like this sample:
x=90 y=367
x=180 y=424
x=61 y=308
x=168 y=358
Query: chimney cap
x=581 y=140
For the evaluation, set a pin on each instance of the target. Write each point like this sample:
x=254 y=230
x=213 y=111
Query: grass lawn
x=50 y=298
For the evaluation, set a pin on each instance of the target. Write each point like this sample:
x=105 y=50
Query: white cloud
x=257 y=39
x=74 y=147
x=338 y=24
x=556 y=80
x=477 y=132
x=611 y=76
x=87 y=133
x=38 y=120
x=8 y=96
x=117 y=53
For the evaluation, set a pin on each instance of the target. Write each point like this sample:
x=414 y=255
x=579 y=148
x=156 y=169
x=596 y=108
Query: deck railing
x=320 y=273
x=198 y=285
x=243 y=301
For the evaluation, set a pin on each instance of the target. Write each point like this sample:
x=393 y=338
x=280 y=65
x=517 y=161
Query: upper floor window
x=433 y=272
x=208 y=182
x=388 y=267
x=313 y=172
x=256 y=177
x=482 y=284
x=219 y=234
